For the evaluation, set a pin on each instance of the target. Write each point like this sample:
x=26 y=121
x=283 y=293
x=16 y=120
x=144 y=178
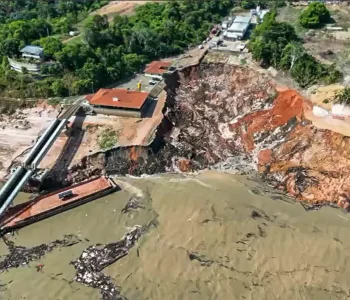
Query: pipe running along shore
x=23 y=173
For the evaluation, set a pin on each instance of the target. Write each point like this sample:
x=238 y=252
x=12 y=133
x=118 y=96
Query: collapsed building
x=157 y=69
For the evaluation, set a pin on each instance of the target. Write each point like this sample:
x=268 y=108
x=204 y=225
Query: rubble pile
x=94 y=259
x=21 y=256
x=205 y=107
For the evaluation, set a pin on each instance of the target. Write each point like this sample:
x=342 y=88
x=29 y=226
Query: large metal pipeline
x=47 y=145
x=12 y=180
x=39 y=143
x=15 y=191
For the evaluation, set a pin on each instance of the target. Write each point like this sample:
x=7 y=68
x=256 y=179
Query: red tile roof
x=89 y=97
x=119 y=98
x=157 y=67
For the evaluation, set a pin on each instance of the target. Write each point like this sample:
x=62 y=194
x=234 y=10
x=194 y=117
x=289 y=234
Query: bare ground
x=119 y=8
x=129 y=132
x=20 y=130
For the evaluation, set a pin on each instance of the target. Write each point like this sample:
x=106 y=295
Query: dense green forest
x=108 y=52
x=277 y=44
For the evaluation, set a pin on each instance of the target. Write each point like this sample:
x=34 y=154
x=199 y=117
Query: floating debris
x=95 y=258
x=133 y=203
x=21 y=256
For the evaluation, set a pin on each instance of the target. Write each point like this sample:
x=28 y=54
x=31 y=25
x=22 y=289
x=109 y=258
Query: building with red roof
x=157 y=68
x=119 y=102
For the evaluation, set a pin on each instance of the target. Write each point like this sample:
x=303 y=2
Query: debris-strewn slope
x=227 y=111
x=231 y=117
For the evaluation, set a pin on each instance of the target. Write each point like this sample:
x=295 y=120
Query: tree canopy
x=276 y=44
x=108 y=51
x=315 y=15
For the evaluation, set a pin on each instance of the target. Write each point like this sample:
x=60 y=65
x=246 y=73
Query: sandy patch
x=119 y=7
x=319 y=94
x=19 y=132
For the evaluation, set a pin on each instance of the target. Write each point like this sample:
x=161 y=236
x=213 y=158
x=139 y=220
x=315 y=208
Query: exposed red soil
x=314 y=163
x=288 y=104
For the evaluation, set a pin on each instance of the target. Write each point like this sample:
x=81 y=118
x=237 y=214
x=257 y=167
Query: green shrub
x=277 y=44
x=343 y=96
x=314 y=16
x=248 y=4
x=108 y=139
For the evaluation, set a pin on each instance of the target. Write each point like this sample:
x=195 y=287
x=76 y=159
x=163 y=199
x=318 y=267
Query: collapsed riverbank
x=231 y=117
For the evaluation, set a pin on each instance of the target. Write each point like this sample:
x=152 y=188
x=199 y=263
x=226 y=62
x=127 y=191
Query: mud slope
x=231 y=117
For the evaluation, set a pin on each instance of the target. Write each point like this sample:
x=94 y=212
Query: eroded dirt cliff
x=231 y=117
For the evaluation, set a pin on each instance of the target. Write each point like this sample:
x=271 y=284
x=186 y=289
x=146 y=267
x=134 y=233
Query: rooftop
x=241 y=19
x=158 y=67
x=33 y=50
x=238 y=27
x=121 y=98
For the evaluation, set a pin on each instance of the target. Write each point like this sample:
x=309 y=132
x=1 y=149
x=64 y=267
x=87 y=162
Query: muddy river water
x=215 y=236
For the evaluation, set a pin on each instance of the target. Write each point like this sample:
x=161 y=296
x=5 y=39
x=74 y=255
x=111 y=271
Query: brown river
x=249 y=242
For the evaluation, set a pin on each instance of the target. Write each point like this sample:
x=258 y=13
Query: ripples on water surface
x=217 y=236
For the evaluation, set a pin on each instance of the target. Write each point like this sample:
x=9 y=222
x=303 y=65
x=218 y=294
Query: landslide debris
x=194 y=133
x=231 y=117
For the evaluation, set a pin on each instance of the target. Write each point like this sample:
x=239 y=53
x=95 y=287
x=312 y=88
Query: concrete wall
x=153 y=75
x=319 y=111
x=117 y=112
x=341 y=110
x=17 y=66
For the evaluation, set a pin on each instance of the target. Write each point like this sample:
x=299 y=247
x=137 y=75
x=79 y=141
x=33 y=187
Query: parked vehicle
x=218 y=32
x=200 y=47
x=152 y=82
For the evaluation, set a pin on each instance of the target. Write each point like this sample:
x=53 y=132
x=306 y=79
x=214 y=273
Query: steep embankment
x=232 y=117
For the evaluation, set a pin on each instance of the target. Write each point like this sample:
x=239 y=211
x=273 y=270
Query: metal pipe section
x=47 y=145
x=16 y=190
x=32 y=153
x=9 y=183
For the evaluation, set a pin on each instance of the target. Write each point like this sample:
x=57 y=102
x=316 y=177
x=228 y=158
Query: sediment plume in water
x=217 y=236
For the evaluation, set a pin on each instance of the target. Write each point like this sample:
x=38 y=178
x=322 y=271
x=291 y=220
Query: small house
x=34 y=52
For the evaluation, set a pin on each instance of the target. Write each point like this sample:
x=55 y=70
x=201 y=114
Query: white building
x=216 y=41
x=226 y=24
x=238 y=29
x=33 y=52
